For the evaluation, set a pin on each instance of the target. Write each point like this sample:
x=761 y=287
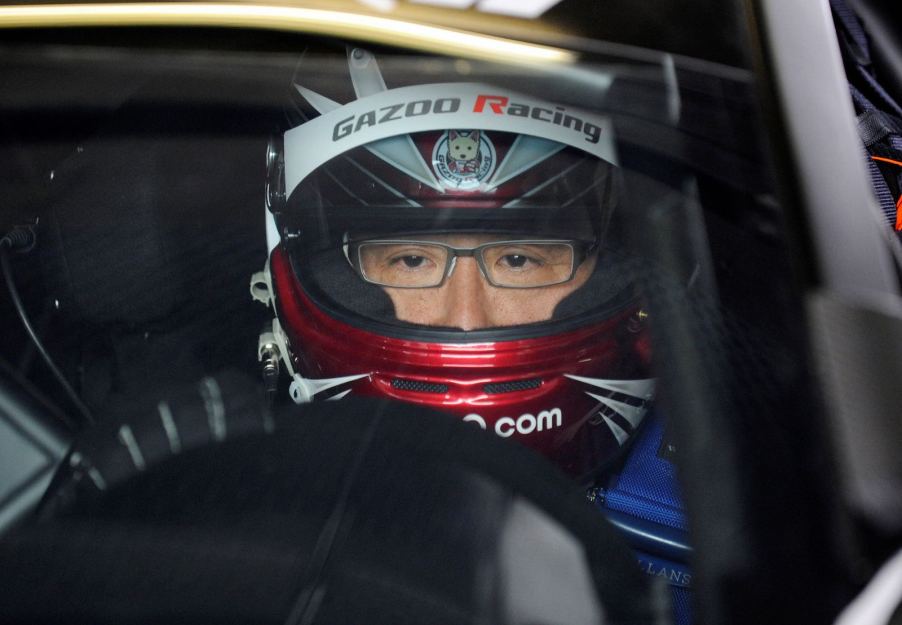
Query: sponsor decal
x=462 y=159
x=392 y=113
x=557 y=115
x=438 y=107
x=481 y=103
x=525 y=424
x=673 y=574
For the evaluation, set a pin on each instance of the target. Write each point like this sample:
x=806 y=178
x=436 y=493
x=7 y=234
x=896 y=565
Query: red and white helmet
x=575 y=387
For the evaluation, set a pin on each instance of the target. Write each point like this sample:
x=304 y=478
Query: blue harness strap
x=643 y=501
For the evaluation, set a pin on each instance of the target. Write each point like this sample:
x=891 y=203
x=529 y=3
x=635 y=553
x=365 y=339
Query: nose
x=467 y=301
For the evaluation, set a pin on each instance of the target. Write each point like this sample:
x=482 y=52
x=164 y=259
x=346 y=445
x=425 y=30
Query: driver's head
x=469 y=268
x=474 y=281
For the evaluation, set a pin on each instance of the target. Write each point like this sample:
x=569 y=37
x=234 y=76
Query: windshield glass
x=581 y=256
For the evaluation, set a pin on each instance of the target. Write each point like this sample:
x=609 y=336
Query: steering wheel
x=208 y=508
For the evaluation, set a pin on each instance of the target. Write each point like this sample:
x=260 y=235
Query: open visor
x=471 y=157
x=502 y=183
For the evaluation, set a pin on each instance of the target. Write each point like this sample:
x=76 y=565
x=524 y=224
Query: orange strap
x=883 y=159
x=886 y=160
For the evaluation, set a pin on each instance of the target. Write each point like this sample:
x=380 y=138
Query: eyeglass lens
x=511 y=264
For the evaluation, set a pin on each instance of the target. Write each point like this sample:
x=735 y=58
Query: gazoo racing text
x=489 y=104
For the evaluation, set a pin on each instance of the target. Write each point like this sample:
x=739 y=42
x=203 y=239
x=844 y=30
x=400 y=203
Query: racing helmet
x=423 y=164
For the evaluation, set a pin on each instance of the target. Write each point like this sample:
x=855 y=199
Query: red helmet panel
x=574 y=397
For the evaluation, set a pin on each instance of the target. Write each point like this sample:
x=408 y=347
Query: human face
x=467 y=301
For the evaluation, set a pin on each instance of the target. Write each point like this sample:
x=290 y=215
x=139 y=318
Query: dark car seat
x=153 y=225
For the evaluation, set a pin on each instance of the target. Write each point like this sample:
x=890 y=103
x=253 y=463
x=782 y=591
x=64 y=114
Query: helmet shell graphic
x=486 y=162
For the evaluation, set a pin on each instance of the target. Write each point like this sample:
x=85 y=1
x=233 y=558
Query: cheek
x=414 y=305
x=421 y=306
x=519 y=306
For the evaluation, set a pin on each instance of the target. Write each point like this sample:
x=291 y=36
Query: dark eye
x=515 y=260
x=413 y=262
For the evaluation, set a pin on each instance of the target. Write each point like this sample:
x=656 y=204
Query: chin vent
x=510 y=387
x=418 y=386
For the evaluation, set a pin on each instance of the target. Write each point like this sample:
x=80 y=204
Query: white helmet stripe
x=633 y=414
x=618 y=431
x=525 y=153
x=400 y=152
x=320 y=103
x=548 y=181
x=339 y=396
x=640 y=389
x=303 y=389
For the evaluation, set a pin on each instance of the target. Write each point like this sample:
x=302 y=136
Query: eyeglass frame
x=476 y=252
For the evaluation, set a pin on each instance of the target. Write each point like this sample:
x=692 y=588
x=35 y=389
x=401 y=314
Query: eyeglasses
x=522 y=264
